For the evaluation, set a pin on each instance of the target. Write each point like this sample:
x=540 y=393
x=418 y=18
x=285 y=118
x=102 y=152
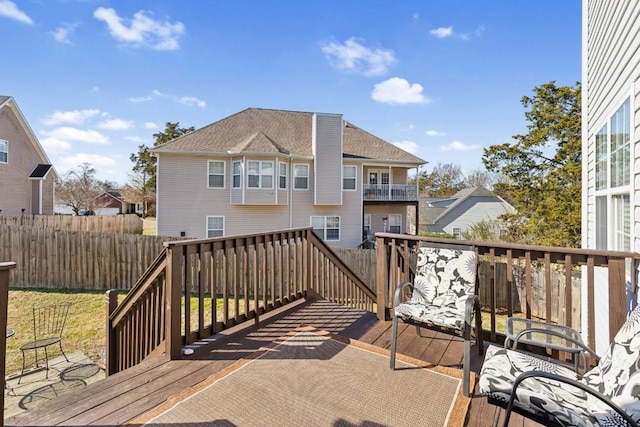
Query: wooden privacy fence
x=196 y=288
x=504 y=264
x=57 y=259
x=128 y=224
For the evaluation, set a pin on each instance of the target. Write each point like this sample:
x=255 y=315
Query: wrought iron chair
x=48 y=324
x=553 y=395
x=443 y=297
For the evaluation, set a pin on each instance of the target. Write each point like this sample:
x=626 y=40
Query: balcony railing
x=390 y=193
x=547 y=283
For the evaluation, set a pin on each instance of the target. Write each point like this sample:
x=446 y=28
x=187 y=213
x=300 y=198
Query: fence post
x=173 y=297
x=382 y=276
x=111 y=352
x=5 y=268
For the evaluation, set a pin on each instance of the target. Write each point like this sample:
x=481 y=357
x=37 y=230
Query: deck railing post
x=173 y=337
x=5 y=268
x=111 y=352
x=382 y=277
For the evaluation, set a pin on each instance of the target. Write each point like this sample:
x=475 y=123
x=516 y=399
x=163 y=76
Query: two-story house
x=261 y=169
x=27 y=178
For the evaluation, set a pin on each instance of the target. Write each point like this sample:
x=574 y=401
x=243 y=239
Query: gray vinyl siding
x=327 y=148
x=611 y=73
x=16 y=189
x=470 y=212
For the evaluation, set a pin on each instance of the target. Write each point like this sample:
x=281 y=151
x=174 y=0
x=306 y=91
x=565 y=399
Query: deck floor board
x=123 y=397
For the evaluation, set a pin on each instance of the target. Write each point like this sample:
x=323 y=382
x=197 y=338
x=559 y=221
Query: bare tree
x=79 y=189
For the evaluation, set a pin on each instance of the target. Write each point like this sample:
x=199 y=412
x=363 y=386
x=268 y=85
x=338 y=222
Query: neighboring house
x=27 y=178
x=610 y=144
x=260 y=170
x=455 y=214
x=111 y=203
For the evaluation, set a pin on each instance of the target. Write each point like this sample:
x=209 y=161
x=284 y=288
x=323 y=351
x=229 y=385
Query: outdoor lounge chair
x=48 y=324
x=443 y=297
x=552 y=394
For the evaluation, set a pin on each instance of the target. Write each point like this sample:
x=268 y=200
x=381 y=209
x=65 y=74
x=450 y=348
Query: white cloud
x=65 y=164
x=398 y=91
x=408 y=146
x=433 y=132
x=156 y=92
x=141 y=30
x=355 y=57
x=458 y=146
x=55 y=145
x=61 y=34
x=116 y=124
x=190 y=101
x=66 y=133
x=150 y=125
x=141 y=99
x=442 y=32
x=10 y=10
x=75 y=117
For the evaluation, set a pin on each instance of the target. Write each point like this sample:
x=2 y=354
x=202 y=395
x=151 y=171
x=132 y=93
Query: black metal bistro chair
x=48 y=324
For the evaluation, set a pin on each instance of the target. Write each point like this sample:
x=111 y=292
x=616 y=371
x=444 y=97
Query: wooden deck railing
x=5 y=269
x=506 y=266
x=228 y=280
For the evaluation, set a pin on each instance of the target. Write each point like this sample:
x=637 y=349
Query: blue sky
x=441 y=78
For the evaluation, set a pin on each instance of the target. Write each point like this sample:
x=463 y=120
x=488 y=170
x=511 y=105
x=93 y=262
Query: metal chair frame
x=48 y=325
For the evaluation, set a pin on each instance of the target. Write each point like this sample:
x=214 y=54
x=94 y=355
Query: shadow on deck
x=123 y=397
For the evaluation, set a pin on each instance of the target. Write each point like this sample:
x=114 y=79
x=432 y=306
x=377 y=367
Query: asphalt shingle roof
x=257 y=130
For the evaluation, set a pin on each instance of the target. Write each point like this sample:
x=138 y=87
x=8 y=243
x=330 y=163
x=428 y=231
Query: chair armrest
x=469 y=307
x=398 y=292
x=569 y=381
x=578 y=343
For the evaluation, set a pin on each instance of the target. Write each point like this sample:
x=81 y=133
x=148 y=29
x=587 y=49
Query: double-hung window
x=349 y=177
x=282 y=176
x=215 y=226
x=301 y=177
x=612 y=181
x=237 y=174
x=4 y=151
x=215 y=173
x=260 y=174
x=327 y=227
x=395 y=223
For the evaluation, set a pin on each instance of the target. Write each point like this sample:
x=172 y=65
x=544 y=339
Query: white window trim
x=324 y=217
x=7 y=152
x=610 y=192
x=286 y=176
x=261 y=174
x=233 y=174
x=294 y=176
x=355 y=177
x=224 y=171
x=390 y=223
x=206 y=225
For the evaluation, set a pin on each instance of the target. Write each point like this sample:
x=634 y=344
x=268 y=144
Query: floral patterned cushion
x=445 y=278
x=617 y=377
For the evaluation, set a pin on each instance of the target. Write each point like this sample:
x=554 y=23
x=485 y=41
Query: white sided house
x=27 y=178
x=260 y=170
x=610 y=145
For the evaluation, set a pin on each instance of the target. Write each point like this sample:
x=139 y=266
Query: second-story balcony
x=390 y=192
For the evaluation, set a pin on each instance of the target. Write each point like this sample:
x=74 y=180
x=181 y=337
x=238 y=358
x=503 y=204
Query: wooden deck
x=121 y=398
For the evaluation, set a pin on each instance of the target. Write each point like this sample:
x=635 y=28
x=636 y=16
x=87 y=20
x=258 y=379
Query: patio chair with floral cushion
x=554 y=395
x=443 y=297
